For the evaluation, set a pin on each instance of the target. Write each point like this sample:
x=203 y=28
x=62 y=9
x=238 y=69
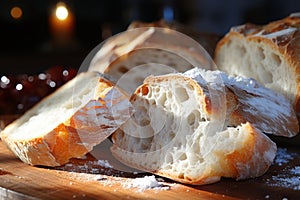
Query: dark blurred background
x=33 y=39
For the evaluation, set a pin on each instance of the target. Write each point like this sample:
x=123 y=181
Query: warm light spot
x=61 y=11
x=16 y=12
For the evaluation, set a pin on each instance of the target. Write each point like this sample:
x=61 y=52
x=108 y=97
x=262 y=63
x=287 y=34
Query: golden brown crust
x=251 y=153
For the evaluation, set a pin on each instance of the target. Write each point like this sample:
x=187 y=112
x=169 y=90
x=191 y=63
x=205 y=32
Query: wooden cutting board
x=87 y=179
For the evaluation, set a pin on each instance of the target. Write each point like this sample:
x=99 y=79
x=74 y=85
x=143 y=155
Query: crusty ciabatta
x=69 y=122
x=176 y=130
x=268 y=53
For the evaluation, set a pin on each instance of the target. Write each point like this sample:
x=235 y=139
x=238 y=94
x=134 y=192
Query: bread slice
x=69 y=122
x=268 y=53
x=118 y=45
x=130 y=70
x=176 y=130
x=149 y=44
x=207 y=40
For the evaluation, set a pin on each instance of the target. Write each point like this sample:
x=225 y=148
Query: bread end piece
x=67 y=123
x=268 y=53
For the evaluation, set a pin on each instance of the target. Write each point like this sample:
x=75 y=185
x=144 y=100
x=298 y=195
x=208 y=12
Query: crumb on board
x=283 y=156
x=290 y=178
x=140 y=183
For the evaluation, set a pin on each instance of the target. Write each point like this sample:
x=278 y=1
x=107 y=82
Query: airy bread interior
x=269 y=53
x=250 y=57
x=150 y=44
x=173 y=133
x=50 y=112
x=131 y=69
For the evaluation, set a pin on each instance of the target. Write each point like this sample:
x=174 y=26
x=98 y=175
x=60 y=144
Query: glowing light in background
x=61 y=11
x=19 y=86
x=62 y=24
x=16 y=12
x=5 y=80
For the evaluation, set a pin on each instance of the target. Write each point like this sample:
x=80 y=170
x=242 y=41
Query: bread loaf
x=130 y=70
x=207 y=40
x=68 y=123
x=268 y=53
x=176 y=130
x=143 y=46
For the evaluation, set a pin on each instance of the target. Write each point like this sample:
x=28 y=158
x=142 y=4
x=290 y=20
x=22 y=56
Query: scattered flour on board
x=90 y=172
x=104 y=163
x=283 y=156
x=290 y=177
x=296 y=170
x=139 y=183
x=147 y=182
x=94 y=167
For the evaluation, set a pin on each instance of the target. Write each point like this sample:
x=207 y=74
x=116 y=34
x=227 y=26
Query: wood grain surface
x=84 y=179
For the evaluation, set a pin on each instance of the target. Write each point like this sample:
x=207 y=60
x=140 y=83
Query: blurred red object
x=21 y=92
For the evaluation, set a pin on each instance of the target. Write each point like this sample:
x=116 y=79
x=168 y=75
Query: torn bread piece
x=69 y=122
x=176 y=130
